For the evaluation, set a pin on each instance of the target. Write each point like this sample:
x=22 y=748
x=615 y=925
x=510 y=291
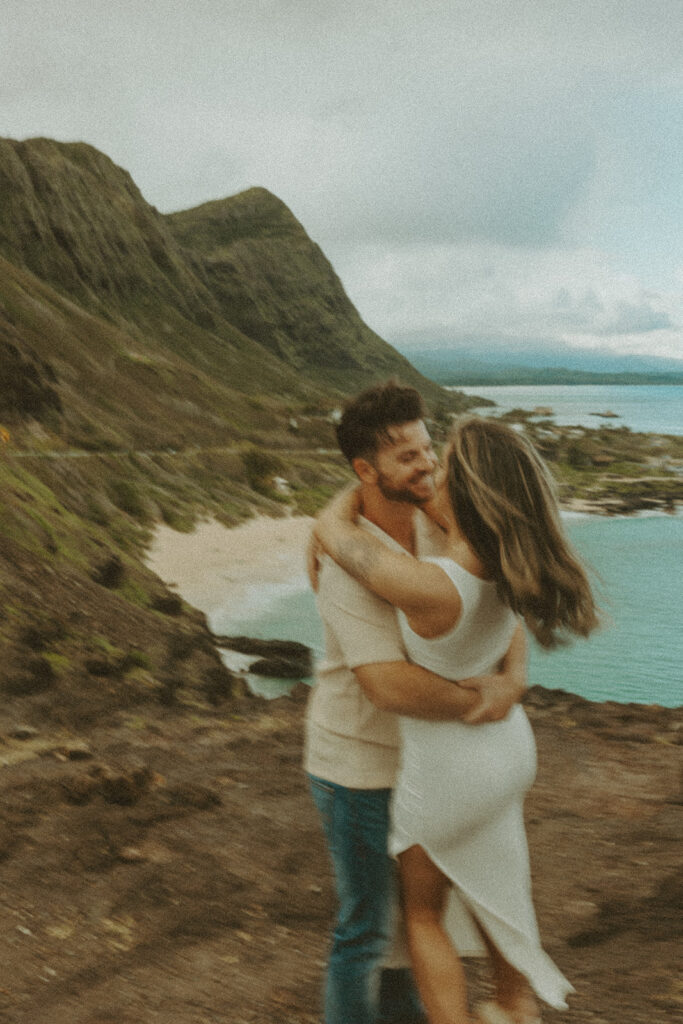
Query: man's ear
x=364 y=470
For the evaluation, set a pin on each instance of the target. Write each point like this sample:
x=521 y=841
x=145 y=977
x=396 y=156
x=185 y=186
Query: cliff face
x=274 y=284
x=184 y=314
x=151 y=368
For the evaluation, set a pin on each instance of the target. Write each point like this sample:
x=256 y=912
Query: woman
x=457 y=811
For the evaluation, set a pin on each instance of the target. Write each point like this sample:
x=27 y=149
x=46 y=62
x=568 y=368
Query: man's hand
x=410 y=690
x=500 y=690
x=497 y=694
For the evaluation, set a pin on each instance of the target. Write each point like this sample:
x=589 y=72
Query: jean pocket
x=323 y=798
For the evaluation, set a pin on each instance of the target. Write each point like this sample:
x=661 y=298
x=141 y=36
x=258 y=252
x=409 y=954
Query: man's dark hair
x=366 y=419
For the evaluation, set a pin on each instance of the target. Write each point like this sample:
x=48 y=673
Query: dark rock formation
x=282 y=659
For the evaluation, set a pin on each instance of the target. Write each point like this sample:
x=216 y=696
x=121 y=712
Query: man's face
x=405 y=464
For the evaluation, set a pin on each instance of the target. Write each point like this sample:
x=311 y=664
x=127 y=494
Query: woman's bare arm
x=413 y=586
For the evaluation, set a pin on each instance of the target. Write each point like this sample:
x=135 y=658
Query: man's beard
x=404 y=494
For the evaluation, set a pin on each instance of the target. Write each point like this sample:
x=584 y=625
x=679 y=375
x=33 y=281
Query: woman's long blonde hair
x=504 y=502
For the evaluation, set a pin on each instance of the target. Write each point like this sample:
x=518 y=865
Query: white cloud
x=433 y=295
x=461 y=163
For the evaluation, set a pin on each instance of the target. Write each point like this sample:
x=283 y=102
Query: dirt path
x=169 y=868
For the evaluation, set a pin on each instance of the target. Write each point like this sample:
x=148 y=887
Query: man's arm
x=365 y=627
x=415 y=692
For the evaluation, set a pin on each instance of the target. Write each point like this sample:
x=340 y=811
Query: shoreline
x=234 y=575
x=606 y=508
x=619 y=507
x=217 y=565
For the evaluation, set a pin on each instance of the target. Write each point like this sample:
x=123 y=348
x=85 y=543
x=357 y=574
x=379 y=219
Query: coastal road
x=77 y=453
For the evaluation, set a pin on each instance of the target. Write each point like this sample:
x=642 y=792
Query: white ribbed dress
x=461 y=788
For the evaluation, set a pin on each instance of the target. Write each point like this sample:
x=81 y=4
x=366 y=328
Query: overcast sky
x=504 y=170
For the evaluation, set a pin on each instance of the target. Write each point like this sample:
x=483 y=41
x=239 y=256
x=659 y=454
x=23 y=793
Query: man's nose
x=428 y=461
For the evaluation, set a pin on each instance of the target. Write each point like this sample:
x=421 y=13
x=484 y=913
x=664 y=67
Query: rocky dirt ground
x=168 y=866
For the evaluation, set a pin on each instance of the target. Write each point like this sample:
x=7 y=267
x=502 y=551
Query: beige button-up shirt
x=348 y=740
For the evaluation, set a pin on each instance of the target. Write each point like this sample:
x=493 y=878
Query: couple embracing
x=418 y=752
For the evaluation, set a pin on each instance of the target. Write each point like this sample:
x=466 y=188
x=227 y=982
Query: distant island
x=451 y=369
x=559 y=375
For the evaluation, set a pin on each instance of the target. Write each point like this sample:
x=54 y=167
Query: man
x=362 y=686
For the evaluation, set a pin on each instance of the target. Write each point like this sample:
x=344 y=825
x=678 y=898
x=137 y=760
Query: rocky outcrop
x=280 y=659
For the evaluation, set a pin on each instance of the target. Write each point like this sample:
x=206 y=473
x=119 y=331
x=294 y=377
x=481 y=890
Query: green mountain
x=151 y=368
x=161 y=329
x=275 y=285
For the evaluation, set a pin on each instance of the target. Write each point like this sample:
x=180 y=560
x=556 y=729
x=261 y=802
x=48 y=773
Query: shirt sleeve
x=364 y=625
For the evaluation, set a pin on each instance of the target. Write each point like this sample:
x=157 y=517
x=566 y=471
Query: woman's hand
x=436 y=515
x=342 y=511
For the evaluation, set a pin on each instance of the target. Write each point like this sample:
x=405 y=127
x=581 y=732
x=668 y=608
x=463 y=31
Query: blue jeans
x=357 y=989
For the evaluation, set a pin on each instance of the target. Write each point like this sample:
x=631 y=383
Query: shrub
x=127 y=497
x=577 y=456
x=260 y=467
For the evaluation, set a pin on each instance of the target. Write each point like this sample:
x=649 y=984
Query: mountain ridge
x=181 y=364
x=264 y=270
x=219 y=304
x=538 y=362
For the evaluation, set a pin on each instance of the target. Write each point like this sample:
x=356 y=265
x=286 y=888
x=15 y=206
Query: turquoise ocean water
x=645 y=408
x=638 y=654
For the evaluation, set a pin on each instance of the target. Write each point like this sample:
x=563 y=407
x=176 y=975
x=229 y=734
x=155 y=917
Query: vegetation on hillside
x=193 y=310
x=159 y=368
x=151 y=369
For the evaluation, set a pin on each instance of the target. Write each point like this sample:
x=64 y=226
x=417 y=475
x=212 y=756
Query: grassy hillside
x=105 y=385
x=273 y=283
x=183 y=315
x=151 y=368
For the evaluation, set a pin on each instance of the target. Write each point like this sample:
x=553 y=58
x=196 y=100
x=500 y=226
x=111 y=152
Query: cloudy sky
x=478 y=171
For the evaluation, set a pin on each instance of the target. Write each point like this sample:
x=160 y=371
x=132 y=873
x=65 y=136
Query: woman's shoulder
x=441 y=603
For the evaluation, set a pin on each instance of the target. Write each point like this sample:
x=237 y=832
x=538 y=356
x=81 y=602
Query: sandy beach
x=214 y=567
x=220 y=570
